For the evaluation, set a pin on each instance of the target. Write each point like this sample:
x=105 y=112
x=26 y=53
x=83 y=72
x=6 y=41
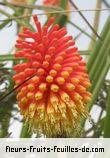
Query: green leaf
x=96 y=24
x=107 y=119
x=9 y=57
x=98 y=85
x=80 y=29
x=98 y=130
x=84 y=18
x=3 y=24
x=25 y=131
x=98 y=45
x=20 y=22
x=102 y=53
x=98 y=65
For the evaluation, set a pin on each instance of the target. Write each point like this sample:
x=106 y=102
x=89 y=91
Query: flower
x=51 y=2
x=19 y=1
x=55 y=97
x=57 y=3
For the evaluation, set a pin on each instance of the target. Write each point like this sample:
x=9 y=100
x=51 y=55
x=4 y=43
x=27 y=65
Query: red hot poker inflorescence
x=51 y=2
x=54 y=100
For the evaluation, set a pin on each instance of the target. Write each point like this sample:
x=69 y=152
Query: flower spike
x=55 y=98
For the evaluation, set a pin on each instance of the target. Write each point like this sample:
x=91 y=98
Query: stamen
x=54 y=88
x=38 y=96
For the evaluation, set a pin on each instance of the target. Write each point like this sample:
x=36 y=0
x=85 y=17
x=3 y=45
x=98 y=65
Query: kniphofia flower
x=55 y=98
x=19 y=1
x=56 y=3
x=51 y=2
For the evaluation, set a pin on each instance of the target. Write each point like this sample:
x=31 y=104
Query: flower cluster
x=55 y=97
x=51 y=2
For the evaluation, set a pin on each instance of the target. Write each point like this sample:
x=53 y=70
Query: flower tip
x=52 y=19
x=35 y=17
